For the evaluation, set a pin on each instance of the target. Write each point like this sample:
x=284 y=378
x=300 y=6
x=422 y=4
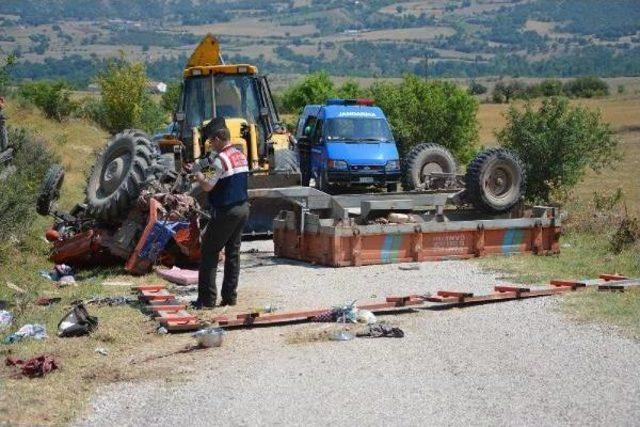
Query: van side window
x=309 y=125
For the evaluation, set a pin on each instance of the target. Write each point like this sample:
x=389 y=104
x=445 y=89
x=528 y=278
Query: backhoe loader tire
x=423 y=159
x=286 y=161
x=495 y=181
x=50 y=190
x=121 y=172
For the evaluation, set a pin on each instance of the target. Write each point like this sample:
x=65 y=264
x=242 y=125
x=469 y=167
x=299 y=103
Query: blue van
x=347 y=143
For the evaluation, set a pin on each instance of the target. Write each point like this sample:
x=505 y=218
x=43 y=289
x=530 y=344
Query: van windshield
x=358 y=129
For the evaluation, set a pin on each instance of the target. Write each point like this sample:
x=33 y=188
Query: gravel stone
x=510 y=363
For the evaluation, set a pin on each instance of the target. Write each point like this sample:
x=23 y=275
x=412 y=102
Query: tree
x=5 y=66
x=586 y=87
x=350 y=89
x=430 y=111
x=476 y=88
x=123 y=89
x=316 y=88
x=53 y=98
x=557 y=143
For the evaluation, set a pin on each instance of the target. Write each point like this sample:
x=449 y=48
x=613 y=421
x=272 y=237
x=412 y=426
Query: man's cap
x=216 y=124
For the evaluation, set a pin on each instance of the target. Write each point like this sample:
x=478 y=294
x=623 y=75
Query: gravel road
x=510 y=363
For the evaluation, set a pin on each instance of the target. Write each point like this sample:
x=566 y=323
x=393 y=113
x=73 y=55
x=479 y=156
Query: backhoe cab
x=235 y=92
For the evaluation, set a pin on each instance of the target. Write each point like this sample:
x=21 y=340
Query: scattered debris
x=111 y=300
x=5 y=319
x=44 y=301
x=347 y=313
x=342 y=335
x=178 y=276
x=365 y=316
x=35 y=367
x=209 y=337
x=408 y=267
x=34 y=331
x=117 y=283
x=101 y=350
x=381 y=330
x=77 y=322
x=61 y=273
x=162 y=330
x=16 y=288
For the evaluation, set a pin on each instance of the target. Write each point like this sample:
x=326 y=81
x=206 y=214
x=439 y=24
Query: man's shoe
x=195 y=305
x=226 y=302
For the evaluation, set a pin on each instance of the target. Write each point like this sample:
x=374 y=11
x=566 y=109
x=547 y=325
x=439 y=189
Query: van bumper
x=350 y=178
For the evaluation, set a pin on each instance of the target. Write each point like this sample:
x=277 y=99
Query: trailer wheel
x=495 y=181
x=423 y=160
x=120 y=173
x=50 y=189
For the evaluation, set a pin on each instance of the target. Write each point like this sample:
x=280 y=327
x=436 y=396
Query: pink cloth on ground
x=179 y=276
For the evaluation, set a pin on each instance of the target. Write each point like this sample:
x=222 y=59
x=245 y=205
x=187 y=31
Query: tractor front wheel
x=50 y=190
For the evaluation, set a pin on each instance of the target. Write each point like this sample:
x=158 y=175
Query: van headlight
x=392 y=165
x=340 y=165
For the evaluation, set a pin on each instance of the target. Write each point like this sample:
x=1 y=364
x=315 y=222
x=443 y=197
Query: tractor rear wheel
x=120 y=173
x=425 y=159
x=50 y=190
x=495 y=181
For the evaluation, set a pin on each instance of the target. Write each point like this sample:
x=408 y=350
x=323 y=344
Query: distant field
x=251 y=27
x=422 y=33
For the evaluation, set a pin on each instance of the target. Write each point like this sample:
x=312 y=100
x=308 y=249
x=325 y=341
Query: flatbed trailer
x=353 y=230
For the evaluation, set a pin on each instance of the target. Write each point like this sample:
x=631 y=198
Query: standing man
x=229 y=213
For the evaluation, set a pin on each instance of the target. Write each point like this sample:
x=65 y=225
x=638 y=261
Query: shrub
x=549 y=87
x=430 y=111
x=557 y=143
x=586 y=87
x=123 y=89
x=52 y=98
x=506 y=92
x=124 y=102
x=171 y=98
x=18 y=191
x=476 y=88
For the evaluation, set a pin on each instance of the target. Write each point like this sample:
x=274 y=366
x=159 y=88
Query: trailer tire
x=120 y=173
x=50 y=190
x=423 y=159
x=286 y=161
x=495 y=181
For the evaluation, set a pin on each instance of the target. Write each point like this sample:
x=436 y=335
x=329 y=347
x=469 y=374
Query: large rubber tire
x=495 y=181
x=286 y=161
x=50 y=189
x=423 y=159
x=121 y=172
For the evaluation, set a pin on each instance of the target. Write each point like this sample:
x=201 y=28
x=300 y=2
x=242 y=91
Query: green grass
x=583 y=256
x=620 y=309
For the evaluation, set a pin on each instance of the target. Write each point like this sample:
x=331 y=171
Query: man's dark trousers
x=224 y=230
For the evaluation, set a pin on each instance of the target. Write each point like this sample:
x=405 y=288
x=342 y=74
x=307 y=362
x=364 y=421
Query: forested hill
x=356 y=37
